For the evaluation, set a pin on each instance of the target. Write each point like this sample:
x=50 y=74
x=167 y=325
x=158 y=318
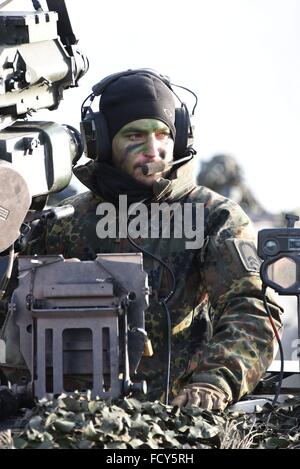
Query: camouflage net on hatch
x=79 y=422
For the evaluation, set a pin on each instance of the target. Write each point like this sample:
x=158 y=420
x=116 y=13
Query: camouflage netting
x=78 y=422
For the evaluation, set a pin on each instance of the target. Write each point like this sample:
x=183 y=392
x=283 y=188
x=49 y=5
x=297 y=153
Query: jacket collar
x=177 y=185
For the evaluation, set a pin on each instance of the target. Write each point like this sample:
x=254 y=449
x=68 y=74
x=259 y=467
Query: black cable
x=91 y=97
x=281 y=374
x=169 y=348
x=163 y=303
x=190 y=91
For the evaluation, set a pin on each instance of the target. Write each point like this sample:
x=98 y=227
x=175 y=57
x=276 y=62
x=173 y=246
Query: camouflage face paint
x=135 y=148
x=140 y=142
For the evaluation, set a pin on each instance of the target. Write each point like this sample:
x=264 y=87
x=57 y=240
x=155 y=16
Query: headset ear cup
x=103 y=140
x=95 y=135
x=182 y=125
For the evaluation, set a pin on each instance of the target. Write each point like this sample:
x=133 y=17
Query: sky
x=242 y=59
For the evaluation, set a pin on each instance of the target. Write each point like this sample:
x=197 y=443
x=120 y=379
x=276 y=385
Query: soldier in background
x=223 y=174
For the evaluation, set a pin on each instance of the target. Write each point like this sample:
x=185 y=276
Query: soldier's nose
x=153 y=147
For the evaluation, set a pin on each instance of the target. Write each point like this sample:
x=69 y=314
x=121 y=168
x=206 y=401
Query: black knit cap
x=137 y=96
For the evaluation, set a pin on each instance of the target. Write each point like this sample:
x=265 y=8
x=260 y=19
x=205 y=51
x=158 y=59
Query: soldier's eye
x=162 y=134
x=136 y=136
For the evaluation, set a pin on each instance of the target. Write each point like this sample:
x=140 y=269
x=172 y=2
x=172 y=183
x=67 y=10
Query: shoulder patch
x=248 y=254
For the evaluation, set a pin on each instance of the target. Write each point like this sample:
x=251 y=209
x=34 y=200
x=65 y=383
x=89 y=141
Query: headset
x=94 y=129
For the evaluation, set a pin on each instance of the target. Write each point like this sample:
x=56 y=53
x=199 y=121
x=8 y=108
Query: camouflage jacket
x=220 y=331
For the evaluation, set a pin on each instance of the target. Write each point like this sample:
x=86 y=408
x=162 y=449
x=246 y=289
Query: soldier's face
x=141 y=142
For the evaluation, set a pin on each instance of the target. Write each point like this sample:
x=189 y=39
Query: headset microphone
x=160 y=166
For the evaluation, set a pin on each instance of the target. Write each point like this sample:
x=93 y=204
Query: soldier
x=222 y=174
x=222 y=340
